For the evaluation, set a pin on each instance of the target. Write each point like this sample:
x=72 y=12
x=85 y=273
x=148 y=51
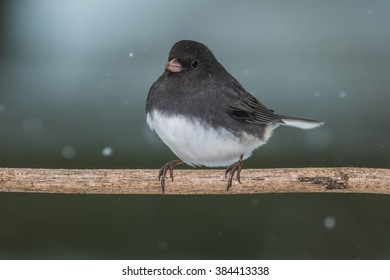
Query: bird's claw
x=234 y=168
x=164 y=169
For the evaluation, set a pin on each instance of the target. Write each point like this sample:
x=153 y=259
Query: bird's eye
x=195 y=64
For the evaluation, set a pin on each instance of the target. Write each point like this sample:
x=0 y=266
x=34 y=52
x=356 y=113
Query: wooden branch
x=195 y=181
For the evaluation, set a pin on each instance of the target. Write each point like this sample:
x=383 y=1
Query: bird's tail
x=300 y=122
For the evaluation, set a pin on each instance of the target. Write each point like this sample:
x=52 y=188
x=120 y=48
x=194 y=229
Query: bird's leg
x=163 y=171
x=234 y=168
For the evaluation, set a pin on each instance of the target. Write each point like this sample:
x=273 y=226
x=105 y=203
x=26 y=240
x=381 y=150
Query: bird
x=205 y=116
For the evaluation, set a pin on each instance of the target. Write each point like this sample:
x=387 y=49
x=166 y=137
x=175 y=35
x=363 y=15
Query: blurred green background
x=74 y=76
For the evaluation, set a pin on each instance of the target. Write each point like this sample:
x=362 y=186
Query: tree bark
x=195 y=181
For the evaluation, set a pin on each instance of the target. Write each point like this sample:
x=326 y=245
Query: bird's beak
x=174 y=66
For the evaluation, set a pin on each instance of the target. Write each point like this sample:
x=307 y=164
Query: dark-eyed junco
x=204 y=114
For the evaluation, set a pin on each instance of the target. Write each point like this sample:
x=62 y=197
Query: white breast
x=199 y=145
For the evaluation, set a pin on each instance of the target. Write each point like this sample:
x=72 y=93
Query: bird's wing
x=244 y=106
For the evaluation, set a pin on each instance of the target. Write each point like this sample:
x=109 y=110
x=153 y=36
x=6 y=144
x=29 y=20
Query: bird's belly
x=201 y=144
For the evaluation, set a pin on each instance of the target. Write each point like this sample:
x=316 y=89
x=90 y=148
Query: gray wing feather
x=246 y=107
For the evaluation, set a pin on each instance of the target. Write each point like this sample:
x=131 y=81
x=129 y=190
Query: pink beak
x=174 y=66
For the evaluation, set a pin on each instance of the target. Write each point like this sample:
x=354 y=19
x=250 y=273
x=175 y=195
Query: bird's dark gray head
x=187 y=55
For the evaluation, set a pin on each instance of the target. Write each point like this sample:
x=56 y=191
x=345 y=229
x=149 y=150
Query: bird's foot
x=234 y=168
x=164 y=169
